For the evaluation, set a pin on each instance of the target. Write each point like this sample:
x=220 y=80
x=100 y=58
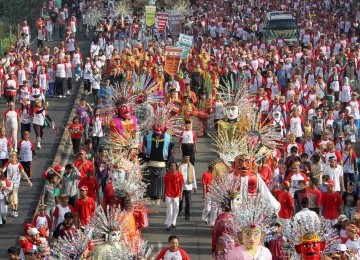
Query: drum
x=201 y=114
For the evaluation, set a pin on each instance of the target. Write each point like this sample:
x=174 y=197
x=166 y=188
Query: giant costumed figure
x=158 y=146
x=237 y=108
x=308 y=238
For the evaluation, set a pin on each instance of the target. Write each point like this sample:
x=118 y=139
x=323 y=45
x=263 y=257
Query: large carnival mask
x=159 y=129
x=243 y=165
x=311 y=247
x=124 y=111
x=251 y=237
x=232 y=112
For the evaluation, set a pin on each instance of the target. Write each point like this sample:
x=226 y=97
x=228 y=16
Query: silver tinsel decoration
x=72 y=247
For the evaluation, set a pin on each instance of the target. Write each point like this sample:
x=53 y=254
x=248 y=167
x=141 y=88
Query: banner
x=185 y=41
x=150 y=12
x=162 y=20
x=175 y=24
x=172 y=60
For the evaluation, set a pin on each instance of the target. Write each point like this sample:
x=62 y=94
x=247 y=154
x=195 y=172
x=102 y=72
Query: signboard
x=162 y=20
x=175 y=24
x=185 y=41
x=172 y=60
x=150 y=12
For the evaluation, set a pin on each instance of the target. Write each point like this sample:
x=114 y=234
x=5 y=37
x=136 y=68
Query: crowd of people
x=304 y=96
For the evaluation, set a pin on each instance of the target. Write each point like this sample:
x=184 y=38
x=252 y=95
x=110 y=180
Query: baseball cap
x=33 y=231
x=330 y=183
x=83 y=151
x=84 y=187
x=342 y=218
x=57 y=168
x=341 y=247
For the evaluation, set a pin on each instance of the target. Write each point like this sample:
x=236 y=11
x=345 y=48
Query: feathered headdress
x=71 y=246
x=307 y=228
x=222 y=190
x=253 y=212
x=103 y=223
x=162 y=116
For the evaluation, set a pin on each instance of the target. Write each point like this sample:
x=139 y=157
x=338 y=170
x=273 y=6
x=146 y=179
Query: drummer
x=203 y=113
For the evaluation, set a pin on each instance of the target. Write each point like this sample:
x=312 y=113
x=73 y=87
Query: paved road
x=195 y=236
x=59 y=111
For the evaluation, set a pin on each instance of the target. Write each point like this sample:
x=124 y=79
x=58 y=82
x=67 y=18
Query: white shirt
x=26 y=150
x=4 y=151
x=188 y=137
x=354 y=244
x=184 y=171
x=172 y=255
x=334 y=174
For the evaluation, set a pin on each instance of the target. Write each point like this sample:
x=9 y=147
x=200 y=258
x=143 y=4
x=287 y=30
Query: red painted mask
x=159 y=129
x=311 y=250
x=124 y=111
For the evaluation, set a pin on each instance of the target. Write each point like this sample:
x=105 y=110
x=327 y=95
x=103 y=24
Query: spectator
x=287 y=209
x=13 y=253
x=83 y=165
x=313 y=194
x=305 y=212
x=332 y=203
x=353 y=241
x=91 y=182
x=335 y=172
x=48 y=194
x=350 y=198
x=65 y=229
x=69 y=183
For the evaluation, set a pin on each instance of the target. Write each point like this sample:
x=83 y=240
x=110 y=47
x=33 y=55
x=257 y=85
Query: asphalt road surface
x=194 y=234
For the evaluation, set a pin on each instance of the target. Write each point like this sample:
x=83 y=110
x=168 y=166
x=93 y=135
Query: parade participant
x=158 y=146
x=69 y=182
x=39 y=116
x=48 y=196
x=218 y=105
x=41 y=219
x=124 y=122
x=84 y=111
x=202 y=114
x=65 y=228
x=188 y=140
x=208 y=215
x=173 y=251
x=251 y=220
x=173 y=192
x=76 y=130
x=188 y=173
x=14 y=171
x=91 y=182
x=26 y=150
x=61 y=209
x=308 y=238
x=353 y=241
x=11 y=122
x=5 y=189
x=84 y=207
x=83 y=165
x=5 y=147
x=287 y=209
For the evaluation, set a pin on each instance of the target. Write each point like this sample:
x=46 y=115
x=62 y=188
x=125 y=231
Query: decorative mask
x=159 y=129
x=232 y=112
x=243 y=165
x=310 y=247
x=114 y=236
x=251 y=237
x=124 y=111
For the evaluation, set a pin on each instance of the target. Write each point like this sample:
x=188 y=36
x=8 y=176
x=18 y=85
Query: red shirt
x=76 y=130
x=92 y=184
x=206 y=180
x=84 y=208
x=173 y=184
x=87 y=166
x=286 y=202
x=331 y=203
